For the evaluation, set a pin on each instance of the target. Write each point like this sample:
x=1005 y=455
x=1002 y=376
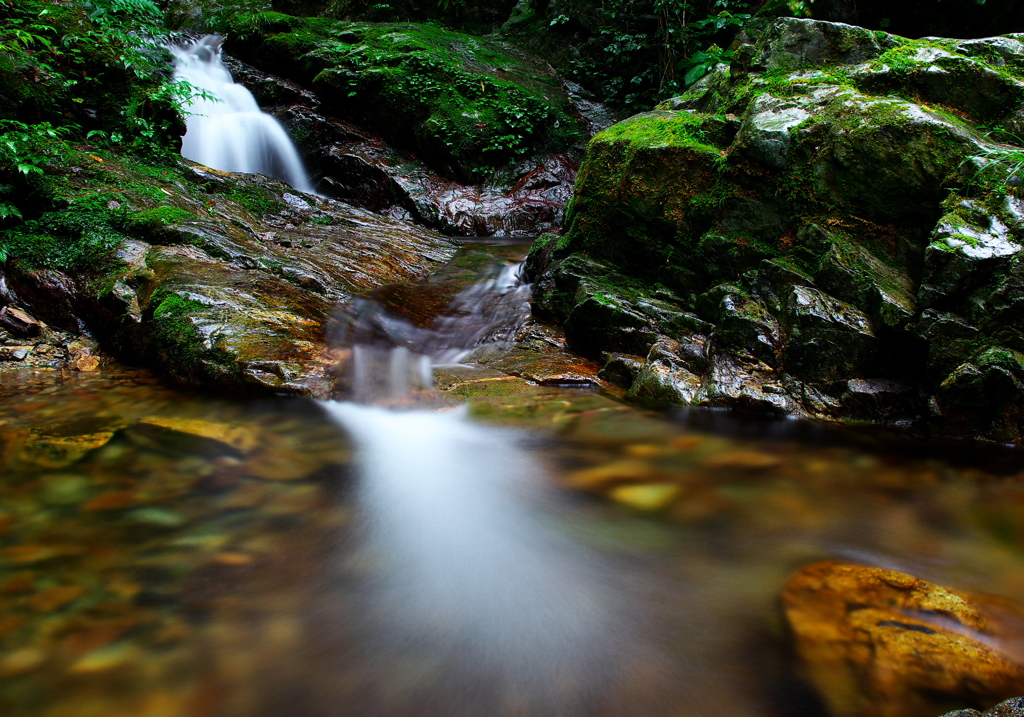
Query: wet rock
x=164 y=431
x=795 y=44
x=63 y=489
x=234 y=282
x=879 y=642
x=649 y=497
x=62 y=444
x=829 y=339
x=18 y=322
x=796 y=206
x=457 y=121
x=55 y=598
x=1013 y=707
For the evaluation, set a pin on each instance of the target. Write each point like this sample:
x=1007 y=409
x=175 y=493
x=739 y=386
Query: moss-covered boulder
x=833 y=219
x=465 y=104
x=217 y=279
x=357 y=165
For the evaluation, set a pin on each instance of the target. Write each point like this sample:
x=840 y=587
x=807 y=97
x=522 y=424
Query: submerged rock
x=830 y=242
x=880 y=642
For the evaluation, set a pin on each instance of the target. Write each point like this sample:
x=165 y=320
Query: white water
x=226 y=129
x=460 y=522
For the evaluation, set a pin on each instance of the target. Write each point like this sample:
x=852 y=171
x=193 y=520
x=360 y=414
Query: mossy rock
x=465 y=104
x=852 y=248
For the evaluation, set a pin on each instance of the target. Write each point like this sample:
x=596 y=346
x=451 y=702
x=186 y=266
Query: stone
x=19 y=323
x=646 y=497
x=879 y=642
x=797 y=206
x=241 y=438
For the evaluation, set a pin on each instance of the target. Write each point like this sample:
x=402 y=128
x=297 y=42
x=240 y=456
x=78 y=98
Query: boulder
x=883 y=643
x=217 y=279
x=837 y=230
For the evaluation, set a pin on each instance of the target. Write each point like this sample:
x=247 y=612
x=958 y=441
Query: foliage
x=652 y=49
x=1000 y=167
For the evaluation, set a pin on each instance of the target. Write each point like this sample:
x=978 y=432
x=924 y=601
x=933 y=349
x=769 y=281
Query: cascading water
x=459 y=521
x=226 y=129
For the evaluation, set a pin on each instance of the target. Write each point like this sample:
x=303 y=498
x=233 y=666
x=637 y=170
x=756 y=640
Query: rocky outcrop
x=466 y=105
x=829 y=226
x=217 y=279
x=357 y=165
x=880 y=642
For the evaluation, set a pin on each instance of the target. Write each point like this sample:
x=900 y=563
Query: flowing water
x=226 y=129
x=459 y=552
x=494 y=548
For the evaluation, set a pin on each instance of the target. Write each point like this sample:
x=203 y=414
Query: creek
x=173 y=553
x=450 y=538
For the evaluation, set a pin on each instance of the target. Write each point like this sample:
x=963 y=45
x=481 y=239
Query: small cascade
x=226 y=129
x=460 y=522
x=392 y=357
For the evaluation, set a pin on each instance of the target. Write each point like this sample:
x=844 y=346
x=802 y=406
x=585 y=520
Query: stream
x=476 y=526
x=484 y=549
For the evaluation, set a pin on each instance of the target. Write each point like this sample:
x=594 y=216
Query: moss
x=466 y=104
x=256 y=200
x=153 y=220
x=80 y=240
x=171 y=326
x=662 y=129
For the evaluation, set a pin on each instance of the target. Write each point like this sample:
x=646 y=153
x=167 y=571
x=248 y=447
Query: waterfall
x=461 y=522
x=226 y=129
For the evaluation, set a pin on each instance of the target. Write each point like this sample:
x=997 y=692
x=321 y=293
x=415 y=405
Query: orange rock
x=21 y=661
x=240 y=437
x=55 y=598
x=86 y=362
x=886 y=644
x=5 y=524
x=10 y=623
x=110 y=501
x=599 y=477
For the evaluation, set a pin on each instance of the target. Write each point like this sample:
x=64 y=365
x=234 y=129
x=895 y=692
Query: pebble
x=115 y=500
x=601 y=476
x=64 y=489
x=103 y=659
x=652 y=496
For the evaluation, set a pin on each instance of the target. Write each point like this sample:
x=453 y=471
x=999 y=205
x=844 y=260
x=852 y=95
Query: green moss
x=152 y=220
x=80 y=240
x=663 y=129
x=256 y=200
x=466 y=104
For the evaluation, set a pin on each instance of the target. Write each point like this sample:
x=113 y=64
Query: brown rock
x=882 y=643
x=21 y=661
x=19 y=323
x=86 y=362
